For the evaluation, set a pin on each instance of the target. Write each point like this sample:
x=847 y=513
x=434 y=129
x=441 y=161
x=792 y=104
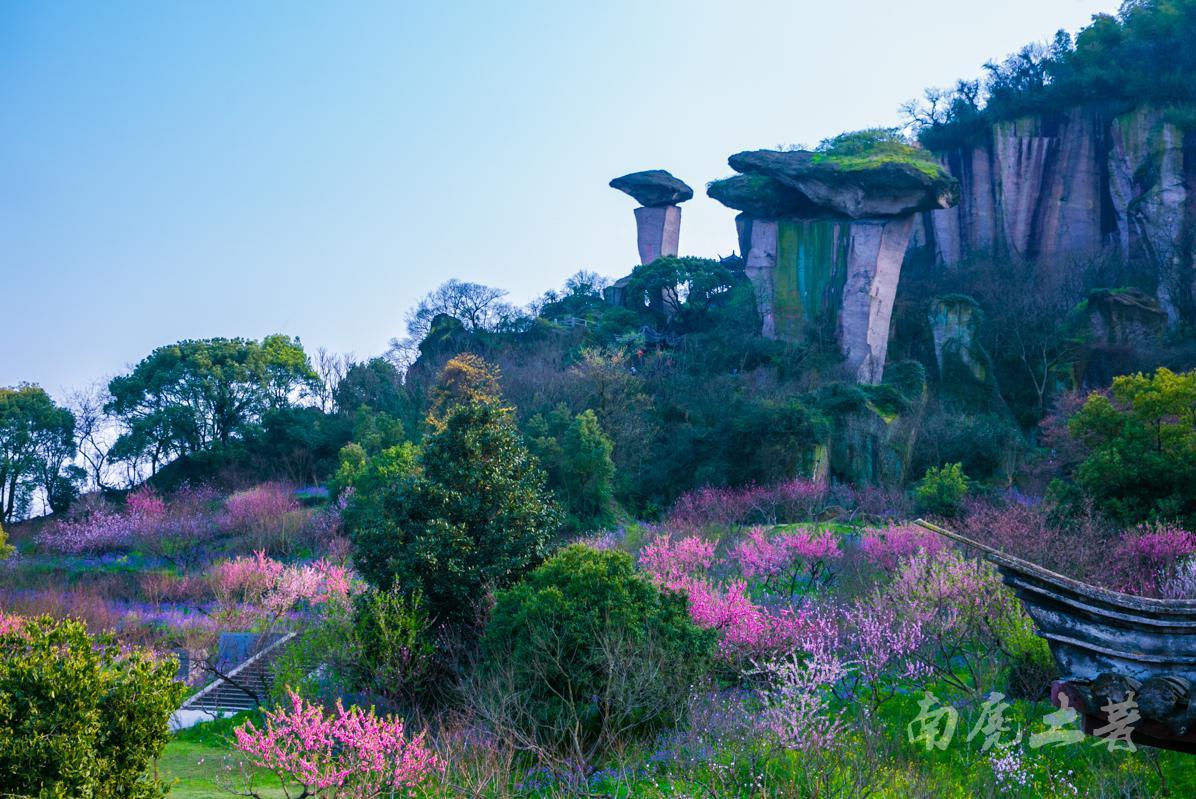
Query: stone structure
x=954 y=326
x=823 y=243
x=1109 y=647
x=1070 y=187
x=967 y=381
x=658 y=220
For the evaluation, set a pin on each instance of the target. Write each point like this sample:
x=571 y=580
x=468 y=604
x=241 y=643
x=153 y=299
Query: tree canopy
x=186 y=397
x=1142 y=441
x=36 y=441
x=1144 y=53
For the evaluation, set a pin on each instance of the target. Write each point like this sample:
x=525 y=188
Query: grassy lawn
x=199 y=768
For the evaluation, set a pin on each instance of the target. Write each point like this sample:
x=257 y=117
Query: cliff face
x=1068 y=189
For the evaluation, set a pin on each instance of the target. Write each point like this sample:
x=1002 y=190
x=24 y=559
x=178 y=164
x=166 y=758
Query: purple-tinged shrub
x=886 y=547
x=674 y=564
x=1077 y=548
x=10 y=624
x=144 y=503
x=883 y=645
x=1182 y=584
x=257 y=507
x=703 y=508
x=961 y=608
x=174 y=530
x=885 y=503
x=1149 y=558
x=259 y=591
x=352 y=753
x=268 y=515
x=160 y=587
x=102 y=530
x=786 y=560
x=797 y=701
x=696 y=510
x=747 y=630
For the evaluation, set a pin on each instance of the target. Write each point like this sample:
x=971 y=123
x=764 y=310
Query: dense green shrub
x=986 y=445
x=586 y=653
x=682 y=293
x=392 y=644
x=576 y=454
x=471 y=514
x=1142 y=447
x=381 y=650
x=1031 y=666
x=6 y=549
x=80 y=716
x=942 y=491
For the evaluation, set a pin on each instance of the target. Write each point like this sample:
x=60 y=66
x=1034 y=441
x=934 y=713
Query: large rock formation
x=824 y=239
x=1114 y=329
x=854 y=187
x=658 y=220
x=874 y=429
x=965 y=373
x=955 y=328
x=1069 y=188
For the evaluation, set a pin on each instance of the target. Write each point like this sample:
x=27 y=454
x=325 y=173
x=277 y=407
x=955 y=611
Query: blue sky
x=176 y=170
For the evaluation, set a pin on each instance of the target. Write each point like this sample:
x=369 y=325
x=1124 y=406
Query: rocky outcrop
x=823 y=242
x=658 y=220
x=955 y=325
x=1066 y=189
x=1117 y=328
x=653 y=188
x=966 y=380
x=1124 y=318
x=857 y=188
x=874 y=429
x=761 y=197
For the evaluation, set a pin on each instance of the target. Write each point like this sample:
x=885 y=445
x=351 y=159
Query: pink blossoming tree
x=350 y=754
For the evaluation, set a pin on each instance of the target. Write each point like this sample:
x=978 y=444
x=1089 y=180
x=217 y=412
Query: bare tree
x=475 y=306
x=1029 y=308
x=332 y=368
x=95 y=431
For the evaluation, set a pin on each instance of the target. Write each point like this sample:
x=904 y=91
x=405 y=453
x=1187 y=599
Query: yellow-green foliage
x=872 y=147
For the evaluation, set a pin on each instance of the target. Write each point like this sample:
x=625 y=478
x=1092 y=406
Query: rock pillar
x=658 y=231
x=807 y=273
x=658 y=219
x=954 y=324
x=875 y=251
x=760 y=258
x=823 y=236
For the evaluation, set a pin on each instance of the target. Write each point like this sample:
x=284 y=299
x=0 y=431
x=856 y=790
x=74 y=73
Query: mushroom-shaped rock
x=653 y=188
x=857 y=186
x=762 y=197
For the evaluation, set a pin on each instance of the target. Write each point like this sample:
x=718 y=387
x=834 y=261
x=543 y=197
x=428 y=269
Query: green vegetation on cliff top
x=860 y=150
x=1146 y=53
